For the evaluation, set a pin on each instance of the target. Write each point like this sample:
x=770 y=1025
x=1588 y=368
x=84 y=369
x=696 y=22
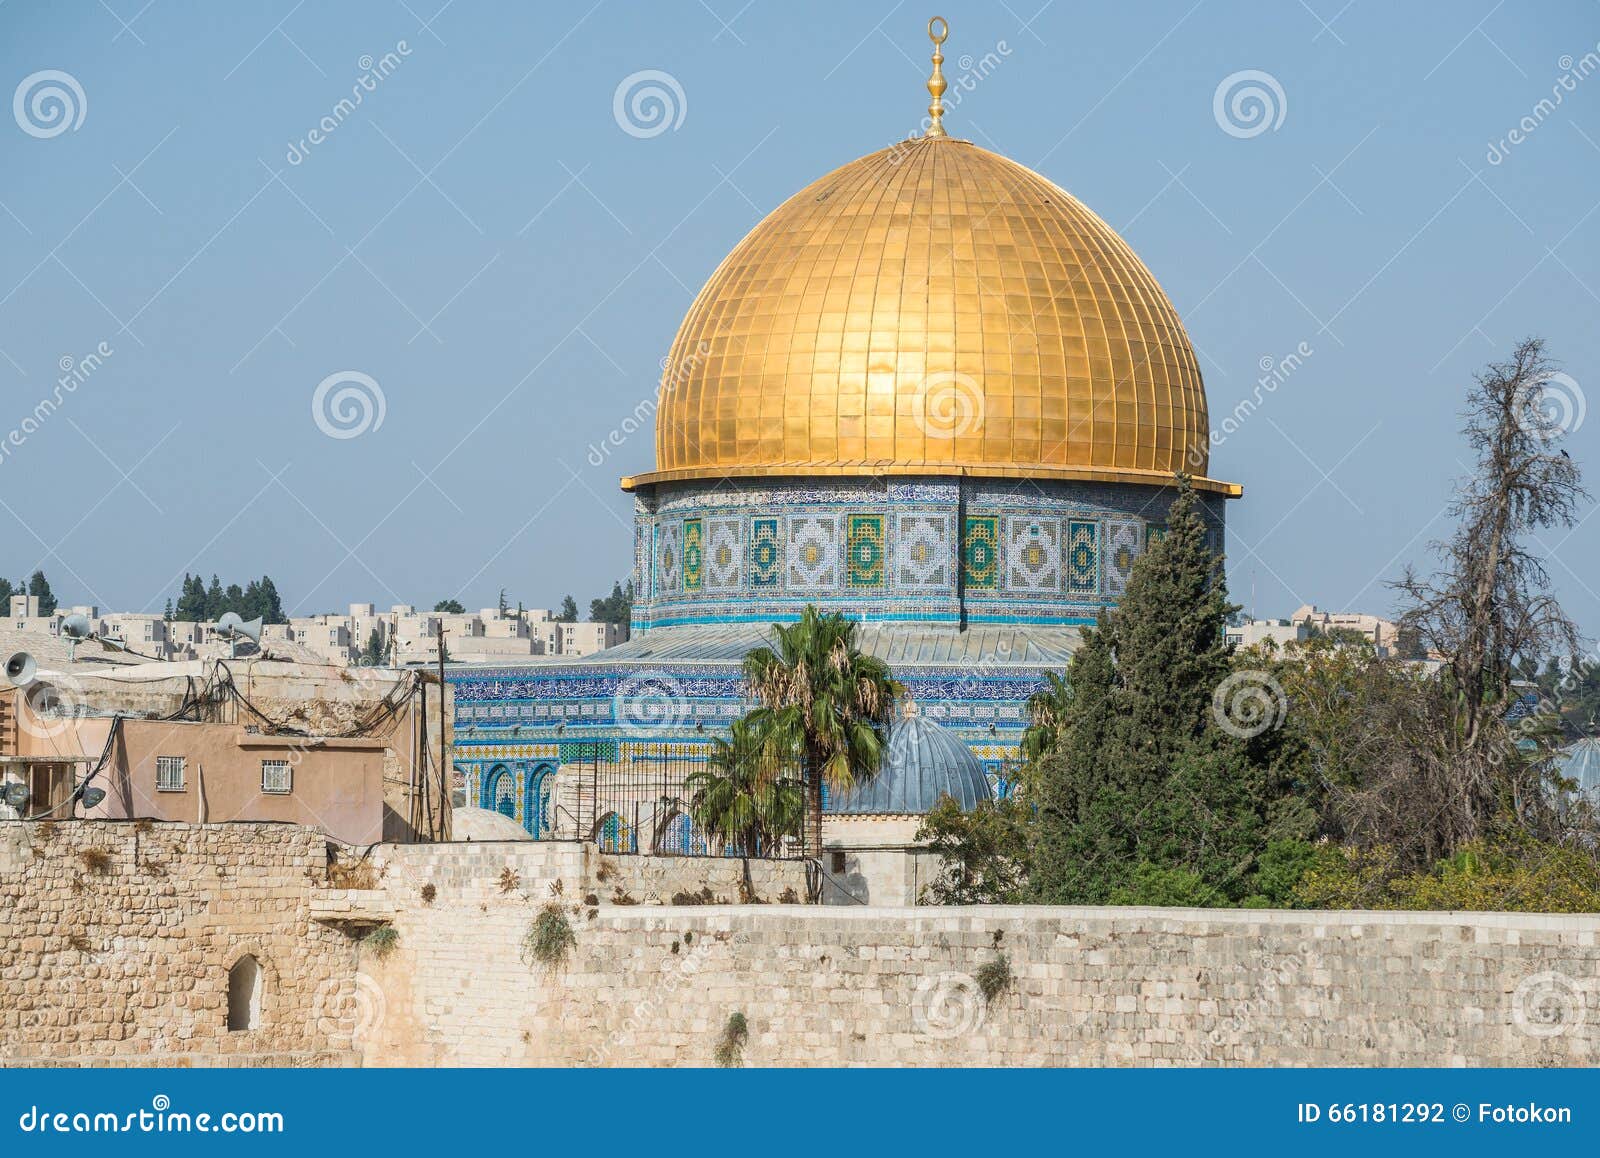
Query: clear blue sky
x=483 y=240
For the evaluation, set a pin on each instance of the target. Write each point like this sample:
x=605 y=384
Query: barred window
x=169 y=773
x=275 y=777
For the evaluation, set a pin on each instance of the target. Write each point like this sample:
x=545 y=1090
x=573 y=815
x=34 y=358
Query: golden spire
x=936 y=85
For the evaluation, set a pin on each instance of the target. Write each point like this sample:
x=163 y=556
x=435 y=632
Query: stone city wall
x=878 y=986
x=123 y=957
x=117 y=938
x=477 y=872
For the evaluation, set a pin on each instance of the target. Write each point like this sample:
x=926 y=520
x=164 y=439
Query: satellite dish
x=21 y=668
x=15 y=794
x=75 y=627
x=93 y=796
x=232 y=627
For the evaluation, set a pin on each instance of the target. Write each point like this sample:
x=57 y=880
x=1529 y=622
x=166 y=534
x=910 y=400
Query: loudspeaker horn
x=76 y=627
x=21 y=669
x=231 y=626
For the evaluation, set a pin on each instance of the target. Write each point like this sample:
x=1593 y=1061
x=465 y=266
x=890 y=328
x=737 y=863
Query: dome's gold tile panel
x=932 y=308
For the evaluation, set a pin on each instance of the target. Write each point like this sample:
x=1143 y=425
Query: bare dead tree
x=1489 y=613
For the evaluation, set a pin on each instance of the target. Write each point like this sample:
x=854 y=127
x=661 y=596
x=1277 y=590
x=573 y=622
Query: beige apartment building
x=1383 y=633
x=1277 y=632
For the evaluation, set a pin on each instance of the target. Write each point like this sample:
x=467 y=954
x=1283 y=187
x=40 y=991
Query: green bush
x=729 y=1053
x=549 y=939
x=383 y=940
x=1511 y=874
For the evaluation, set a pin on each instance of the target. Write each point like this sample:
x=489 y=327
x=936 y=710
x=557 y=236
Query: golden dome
x=932 y=309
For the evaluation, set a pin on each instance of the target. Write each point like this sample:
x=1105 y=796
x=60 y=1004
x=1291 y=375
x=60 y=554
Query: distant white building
x=404 y=635
x=1278 y=632
x=1383 y=633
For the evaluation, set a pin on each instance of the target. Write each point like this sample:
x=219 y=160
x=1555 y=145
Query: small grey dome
x=1581 y=762
x=484 y=824
x=923 y=762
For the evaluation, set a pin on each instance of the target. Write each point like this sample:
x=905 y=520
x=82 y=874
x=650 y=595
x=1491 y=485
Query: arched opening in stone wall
x=503 y=792
x=680 y=836
x=536 y=802
x=245 y=983
x=614 y=834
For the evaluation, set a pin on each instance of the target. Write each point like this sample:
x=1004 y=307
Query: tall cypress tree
x=271 y=609
x=216 y=601
x=191 y=600
x=40 y=586
x=1142 y=782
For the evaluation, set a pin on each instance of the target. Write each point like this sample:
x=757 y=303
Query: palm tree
x=737 y=799
x=1047 y=709
x=829 y=706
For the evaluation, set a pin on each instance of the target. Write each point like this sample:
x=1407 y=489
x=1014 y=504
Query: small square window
x=169 y=773
x=276 y=777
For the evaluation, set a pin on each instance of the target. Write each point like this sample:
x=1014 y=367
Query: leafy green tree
x=984 y=854
x=39 y=586
x=569 y=610
x=6 y=592
x=372 y=653
x=830 y=705
x=1348 y=636
x=614 y=608
x=449 y=607
x=1145 y=790
x=167 y=613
